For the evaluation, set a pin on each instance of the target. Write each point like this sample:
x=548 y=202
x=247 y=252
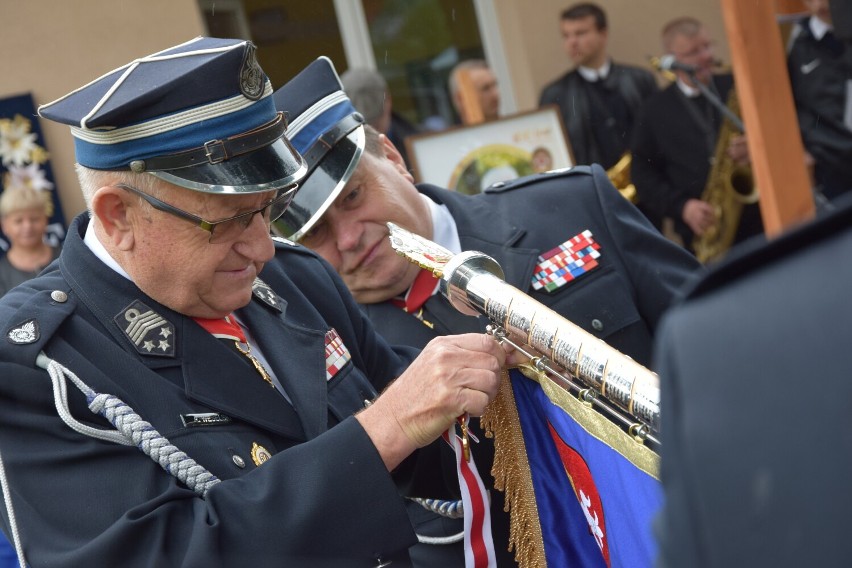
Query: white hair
x=91 y=180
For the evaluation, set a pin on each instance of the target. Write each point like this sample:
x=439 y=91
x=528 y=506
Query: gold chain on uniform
x=257 y=364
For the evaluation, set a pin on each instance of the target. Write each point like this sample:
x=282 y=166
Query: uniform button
x=597 y=325
x=59 y=296
x=238 y=461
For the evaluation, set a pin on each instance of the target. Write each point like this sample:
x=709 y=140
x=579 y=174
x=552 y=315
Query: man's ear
x=109 y=205
x=392 y=154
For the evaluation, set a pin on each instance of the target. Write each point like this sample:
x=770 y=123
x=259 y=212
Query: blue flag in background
x=596 y=489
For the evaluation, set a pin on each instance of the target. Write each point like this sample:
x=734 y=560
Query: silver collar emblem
x=24 y=333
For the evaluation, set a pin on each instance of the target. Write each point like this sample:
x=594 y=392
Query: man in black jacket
x=599 y=99
x=358 y=182
x=675 y=140
x=820 y=66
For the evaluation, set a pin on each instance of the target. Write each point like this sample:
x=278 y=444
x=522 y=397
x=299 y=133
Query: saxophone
x=619 y=175
x=729 y=187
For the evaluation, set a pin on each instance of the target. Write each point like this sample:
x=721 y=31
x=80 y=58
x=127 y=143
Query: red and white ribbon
x=478 y=542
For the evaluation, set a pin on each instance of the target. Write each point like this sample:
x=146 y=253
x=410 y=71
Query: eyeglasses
x=223 y=230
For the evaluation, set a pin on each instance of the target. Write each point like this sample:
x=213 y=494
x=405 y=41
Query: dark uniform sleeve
x=657 y=267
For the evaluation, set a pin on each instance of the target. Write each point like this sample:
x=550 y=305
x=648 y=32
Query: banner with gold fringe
x=580 y=490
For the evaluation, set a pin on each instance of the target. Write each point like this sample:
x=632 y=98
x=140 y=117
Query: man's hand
x=453 y=375
x=698 y=216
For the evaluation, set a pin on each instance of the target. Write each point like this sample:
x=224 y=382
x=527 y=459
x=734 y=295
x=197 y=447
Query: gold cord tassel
x=512 y=476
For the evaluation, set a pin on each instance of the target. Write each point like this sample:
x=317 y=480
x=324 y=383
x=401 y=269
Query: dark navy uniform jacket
x=323 y=498
x=620 y=301
x=755 y=380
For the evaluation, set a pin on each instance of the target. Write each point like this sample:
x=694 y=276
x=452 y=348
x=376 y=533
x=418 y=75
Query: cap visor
x=322 y=186
x=274 y=166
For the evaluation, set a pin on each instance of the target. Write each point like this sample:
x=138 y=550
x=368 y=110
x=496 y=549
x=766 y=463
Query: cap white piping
x=313 y=111
x=130 y=67
x=171 y=122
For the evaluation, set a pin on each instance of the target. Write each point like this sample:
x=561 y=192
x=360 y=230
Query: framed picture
x=468 y=159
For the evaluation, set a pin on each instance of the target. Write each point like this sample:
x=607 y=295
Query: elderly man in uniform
x=177 y=389
x=354 y=187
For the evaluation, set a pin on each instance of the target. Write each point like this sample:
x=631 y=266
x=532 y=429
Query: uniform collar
x=99 y=250
x=593 y=75
x=498 y=239
x=818 y=27
x=688 y=90
x=445 y=232
x=206 y=368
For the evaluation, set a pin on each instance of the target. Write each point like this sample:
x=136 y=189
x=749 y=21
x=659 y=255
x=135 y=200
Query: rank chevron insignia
x=264 y=293
x=149 y=332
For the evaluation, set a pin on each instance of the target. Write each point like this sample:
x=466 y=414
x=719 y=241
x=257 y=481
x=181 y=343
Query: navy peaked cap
x=329 y=133
x=199 y=115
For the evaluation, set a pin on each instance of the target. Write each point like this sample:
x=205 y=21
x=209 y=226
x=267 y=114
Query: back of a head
x=367 y=90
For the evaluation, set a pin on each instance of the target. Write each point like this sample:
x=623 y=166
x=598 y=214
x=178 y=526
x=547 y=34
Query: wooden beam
x=471 y=109
x=766 y=103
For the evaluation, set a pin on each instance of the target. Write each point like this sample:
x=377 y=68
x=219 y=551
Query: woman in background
x=24 y=213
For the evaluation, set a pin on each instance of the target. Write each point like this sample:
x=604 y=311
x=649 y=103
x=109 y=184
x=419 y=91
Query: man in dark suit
x=820 y=66
x=342 y=208
x=599 y=99
x=754 y=372
x=676 y=137
x=178 y=391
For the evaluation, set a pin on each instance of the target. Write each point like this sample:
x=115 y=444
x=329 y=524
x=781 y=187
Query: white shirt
x=687 y=90
x=445 y=232
x=818 y=27
x=592 y=75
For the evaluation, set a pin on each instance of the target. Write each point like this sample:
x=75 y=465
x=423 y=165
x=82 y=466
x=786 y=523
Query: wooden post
x=471 y=109
x=766 y=103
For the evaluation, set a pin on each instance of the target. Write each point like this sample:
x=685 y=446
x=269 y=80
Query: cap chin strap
x=330 y=138
x=216 y=151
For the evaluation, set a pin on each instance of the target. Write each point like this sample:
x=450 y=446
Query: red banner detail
x=585 y=490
